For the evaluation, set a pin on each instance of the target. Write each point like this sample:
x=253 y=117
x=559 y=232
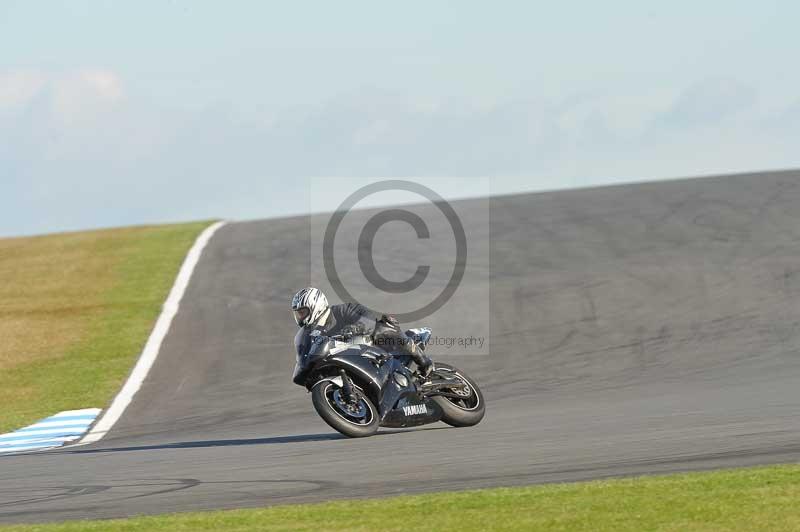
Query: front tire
x=354 y=421
x=465 y=411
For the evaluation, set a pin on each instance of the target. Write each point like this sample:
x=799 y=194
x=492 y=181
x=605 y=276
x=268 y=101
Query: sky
x=117 y=113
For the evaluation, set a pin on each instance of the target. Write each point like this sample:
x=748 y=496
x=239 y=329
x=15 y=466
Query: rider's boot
x=423 y=362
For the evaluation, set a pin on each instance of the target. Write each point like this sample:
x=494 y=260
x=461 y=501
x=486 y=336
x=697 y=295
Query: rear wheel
x=356 y=419
x=467 y=407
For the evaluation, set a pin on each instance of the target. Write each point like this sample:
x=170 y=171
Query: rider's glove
x=390 y=320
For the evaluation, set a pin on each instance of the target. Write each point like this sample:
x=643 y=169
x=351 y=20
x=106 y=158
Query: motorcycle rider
x=311 y=309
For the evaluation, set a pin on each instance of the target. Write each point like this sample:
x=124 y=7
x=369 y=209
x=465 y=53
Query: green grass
x=766 y=498
x=75 y=312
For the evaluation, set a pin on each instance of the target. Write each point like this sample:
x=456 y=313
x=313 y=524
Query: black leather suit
x=353 y=319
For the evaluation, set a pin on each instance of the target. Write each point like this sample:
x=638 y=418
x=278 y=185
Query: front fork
x=347 y=387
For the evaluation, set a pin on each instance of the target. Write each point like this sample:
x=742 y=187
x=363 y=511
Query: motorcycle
x=357 y=387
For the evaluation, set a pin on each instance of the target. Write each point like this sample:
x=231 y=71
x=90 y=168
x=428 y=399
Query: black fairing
x=385 y=379
x=310 y=350
x=354 y=360
x=397 y=417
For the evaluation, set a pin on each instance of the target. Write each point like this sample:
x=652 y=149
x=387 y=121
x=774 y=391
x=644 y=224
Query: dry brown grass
x=79 y=305
x=51 y=285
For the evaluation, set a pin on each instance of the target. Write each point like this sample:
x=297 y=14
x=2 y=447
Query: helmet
x=308 y=305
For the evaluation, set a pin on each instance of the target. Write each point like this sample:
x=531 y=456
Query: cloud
x=70 y=93
x=81 y=114
x=80 y=150
x=707 y=103
x=82 y=95
x=18 y=87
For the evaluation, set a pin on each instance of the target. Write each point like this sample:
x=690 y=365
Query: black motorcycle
x=357 y=387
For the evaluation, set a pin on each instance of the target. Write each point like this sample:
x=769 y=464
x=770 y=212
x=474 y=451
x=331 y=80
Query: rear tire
x=464 y=412
x=355 y=423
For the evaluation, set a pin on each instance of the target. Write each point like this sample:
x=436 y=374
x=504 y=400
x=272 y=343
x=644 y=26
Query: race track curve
x=634 y=329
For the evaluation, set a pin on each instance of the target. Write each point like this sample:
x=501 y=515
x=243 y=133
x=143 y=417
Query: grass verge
x=75 y=312
x=765 y=498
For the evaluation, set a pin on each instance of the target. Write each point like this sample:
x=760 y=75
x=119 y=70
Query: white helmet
x=308 y=305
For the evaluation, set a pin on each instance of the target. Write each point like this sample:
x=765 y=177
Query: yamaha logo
x=415 y=410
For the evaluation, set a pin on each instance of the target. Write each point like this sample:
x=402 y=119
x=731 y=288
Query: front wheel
x=356 y=419
x=467 y=408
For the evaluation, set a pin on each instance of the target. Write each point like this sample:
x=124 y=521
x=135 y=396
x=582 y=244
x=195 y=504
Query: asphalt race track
x=634 y=329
